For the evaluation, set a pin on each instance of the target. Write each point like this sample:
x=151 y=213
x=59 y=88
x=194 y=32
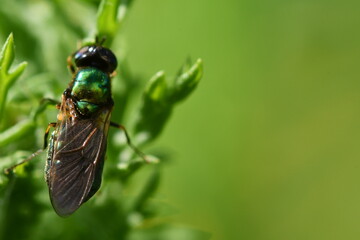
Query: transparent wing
x=77 y=161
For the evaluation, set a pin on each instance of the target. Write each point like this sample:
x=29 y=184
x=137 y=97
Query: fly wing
x=77 y=161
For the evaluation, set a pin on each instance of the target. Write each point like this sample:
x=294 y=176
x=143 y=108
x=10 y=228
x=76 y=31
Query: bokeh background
x=267 y=146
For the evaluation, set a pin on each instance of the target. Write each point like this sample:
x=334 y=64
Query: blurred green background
x=267 y=146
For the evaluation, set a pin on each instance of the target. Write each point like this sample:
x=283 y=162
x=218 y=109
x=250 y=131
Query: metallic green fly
x=78 y=144
x=77 y=147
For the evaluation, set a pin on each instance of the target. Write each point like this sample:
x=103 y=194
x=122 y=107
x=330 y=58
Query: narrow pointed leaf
x=156 y=88
x=187 y=81
x=7 y=78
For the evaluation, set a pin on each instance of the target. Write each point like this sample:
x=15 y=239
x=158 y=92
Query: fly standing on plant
x=78 y=144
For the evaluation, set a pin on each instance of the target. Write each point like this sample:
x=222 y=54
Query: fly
x=77 y=146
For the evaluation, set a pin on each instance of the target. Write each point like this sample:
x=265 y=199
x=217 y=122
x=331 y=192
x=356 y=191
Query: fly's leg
x=128 y=140
x=50 y=101
x=100 y=41
x=42 y=106
x=10 y=169
x=47 y=134
x=44 y=103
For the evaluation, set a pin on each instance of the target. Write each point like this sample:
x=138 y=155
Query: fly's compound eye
x=96 y=56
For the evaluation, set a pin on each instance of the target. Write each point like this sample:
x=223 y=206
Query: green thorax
x=91 y=89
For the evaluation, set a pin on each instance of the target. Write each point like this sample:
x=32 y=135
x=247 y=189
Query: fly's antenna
x=100 y=41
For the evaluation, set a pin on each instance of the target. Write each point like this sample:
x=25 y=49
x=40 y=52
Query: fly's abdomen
x=91 y=90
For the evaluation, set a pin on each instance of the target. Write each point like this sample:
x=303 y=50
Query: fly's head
x=96 y=56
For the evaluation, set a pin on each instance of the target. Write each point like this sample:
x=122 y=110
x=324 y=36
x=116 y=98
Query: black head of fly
x=96 y=56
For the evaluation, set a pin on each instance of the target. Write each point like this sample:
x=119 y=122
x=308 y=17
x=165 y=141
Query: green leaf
x=155 y=109
x=16 y=132
x=21 y=208
x=7 y=78
x=148 y=190
x=156 y=88
x=24 y=127
x=159 y=100
x=110 y=16
x=187 y=80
